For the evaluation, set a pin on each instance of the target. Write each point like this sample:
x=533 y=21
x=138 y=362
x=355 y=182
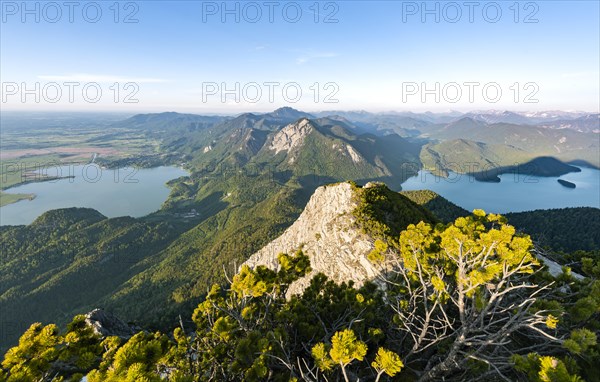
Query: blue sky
x=372 y=55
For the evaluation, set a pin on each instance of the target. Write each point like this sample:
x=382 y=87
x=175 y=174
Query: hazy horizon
x=266 y=111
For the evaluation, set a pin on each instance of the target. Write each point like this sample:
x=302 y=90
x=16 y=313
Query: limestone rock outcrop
x=328 y=234
x=291 y=136
x=107 y=324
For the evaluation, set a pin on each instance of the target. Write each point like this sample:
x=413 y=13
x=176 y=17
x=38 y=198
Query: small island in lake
x=566 y=183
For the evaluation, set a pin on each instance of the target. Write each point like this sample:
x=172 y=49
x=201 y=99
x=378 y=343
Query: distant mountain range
x=584 y=124
x=527 y=118
x=363 y=145
x=579 y=121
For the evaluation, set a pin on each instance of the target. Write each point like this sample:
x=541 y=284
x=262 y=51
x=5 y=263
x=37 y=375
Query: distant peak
x=286 y=109
x=463 y=120
x=287 y=113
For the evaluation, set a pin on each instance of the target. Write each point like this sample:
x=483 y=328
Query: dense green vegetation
x=153 y=269
x=383 y=213
x=464 y=301
x=564 y=229
x=147 y=270
x=442 y=208
x=70 y=260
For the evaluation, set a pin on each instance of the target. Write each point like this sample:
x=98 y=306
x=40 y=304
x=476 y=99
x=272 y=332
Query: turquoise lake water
x=122 y=192
x=514 y=193
x=127 y=192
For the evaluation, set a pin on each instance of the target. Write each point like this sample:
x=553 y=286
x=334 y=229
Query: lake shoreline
x=514 y=192
x=114 y=193
x=29 y=196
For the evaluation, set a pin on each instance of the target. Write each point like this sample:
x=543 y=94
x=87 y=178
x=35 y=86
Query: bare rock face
x=555 y=269
x=356 y=158
x=291 y=136
x=107 y=324
x=327 y=233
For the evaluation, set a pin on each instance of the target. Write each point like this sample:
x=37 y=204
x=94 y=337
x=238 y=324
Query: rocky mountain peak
x=291 y=136
x=328 y=234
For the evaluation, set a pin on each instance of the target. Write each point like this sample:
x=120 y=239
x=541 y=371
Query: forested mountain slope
x=464 y=301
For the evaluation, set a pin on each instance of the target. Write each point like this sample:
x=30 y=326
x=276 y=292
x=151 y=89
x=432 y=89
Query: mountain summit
x=333 y=231
x=287 y=113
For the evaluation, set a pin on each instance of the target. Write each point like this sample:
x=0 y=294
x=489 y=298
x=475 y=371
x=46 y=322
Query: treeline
x=564 y=229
